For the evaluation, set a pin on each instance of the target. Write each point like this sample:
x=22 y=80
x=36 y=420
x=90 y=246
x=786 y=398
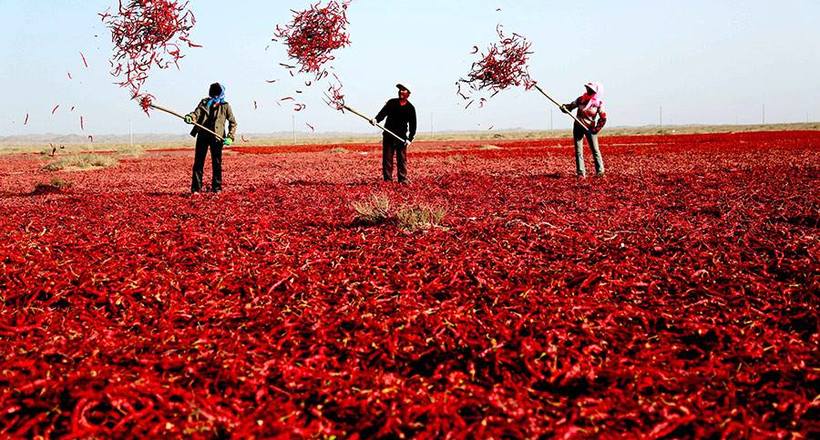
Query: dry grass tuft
x=373 y=210
x=419 y=217
x=81 y=162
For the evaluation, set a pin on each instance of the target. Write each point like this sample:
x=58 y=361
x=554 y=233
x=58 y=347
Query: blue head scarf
x=216 y=94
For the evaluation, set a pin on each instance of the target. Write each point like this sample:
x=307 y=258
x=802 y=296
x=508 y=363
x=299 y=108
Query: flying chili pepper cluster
x=313 y=35
x=311 y=38
x=146 y=34
x=502 y=66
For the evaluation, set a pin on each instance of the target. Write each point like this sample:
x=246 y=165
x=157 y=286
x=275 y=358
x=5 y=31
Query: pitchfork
x=561 y=106
x=199 y=126
x=341 y=105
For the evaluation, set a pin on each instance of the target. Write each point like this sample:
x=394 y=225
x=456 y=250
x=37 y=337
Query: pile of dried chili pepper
x=675 y=298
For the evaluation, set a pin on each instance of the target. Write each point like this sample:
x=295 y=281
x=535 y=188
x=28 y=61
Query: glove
x=408 y=142
x=594 y=130
x=189 y=119
x=227 y=142
x=373 y=122
x=564 y=109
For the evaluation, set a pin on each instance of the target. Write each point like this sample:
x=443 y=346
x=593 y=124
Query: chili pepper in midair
x=502 y=66
x=146 y=34
x=313 y=34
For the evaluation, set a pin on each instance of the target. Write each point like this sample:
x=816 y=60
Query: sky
x=700 y=61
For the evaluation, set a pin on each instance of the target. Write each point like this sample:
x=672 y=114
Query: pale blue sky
x=705 y=61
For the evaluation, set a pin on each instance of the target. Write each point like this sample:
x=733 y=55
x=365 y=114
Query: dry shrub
x=372 y=210
x=375 y=210
x=81 y=162
x=56 y=185
x=418 y=217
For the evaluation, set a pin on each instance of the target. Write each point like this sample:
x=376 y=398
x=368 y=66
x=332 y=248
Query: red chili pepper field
x=676 y=297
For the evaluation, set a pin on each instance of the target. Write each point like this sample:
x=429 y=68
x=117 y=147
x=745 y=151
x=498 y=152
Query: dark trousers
x=203 y=143
x=392 y=147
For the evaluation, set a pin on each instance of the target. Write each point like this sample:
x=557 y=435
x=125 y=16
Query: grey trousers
x=578 y=134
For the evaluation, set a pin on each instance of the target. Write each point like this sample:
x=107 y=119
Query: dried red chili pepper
x=146 y=34
x=673 y=303
x=502 y=66
x=146 y=100
x=313 y=34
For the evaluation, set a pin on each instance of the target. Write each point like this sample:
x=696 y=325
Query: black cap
x=401 y=87
x=215 y=90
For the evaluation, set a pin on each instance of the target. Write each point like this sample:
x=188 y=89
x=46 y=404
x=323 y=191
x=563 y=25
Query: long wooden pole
x=171 y=112
x=357 y=113
x=537 y=87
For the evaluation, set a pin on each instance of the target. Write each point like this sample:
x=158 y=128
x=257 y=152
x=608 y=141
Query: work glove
x=407 y=142
x=373 y=122
x=564 y=109
x=227 y=142
x=189 y=119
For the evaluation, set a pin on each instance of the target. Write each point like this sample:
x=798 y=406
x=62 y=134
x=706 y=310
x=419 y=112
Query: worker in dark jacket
x=401 y=120
x=212 y=112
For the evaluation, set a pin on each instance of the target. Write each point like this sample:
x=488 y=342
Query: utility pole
x=432 y=129
x=660 y=116
x=763 y=114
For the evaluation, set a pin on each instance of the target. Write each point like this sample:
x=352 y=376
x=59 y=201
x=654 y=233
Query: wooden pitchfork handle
x=171 y=112
x=561 y=106
x=377 y=124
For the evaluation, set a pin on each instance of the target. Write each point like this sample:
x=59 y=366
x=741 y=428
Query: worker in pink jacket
x=591 y=113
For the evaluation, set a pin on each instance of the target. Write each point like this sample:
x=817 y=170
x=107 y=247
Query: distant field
x=116 y=143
